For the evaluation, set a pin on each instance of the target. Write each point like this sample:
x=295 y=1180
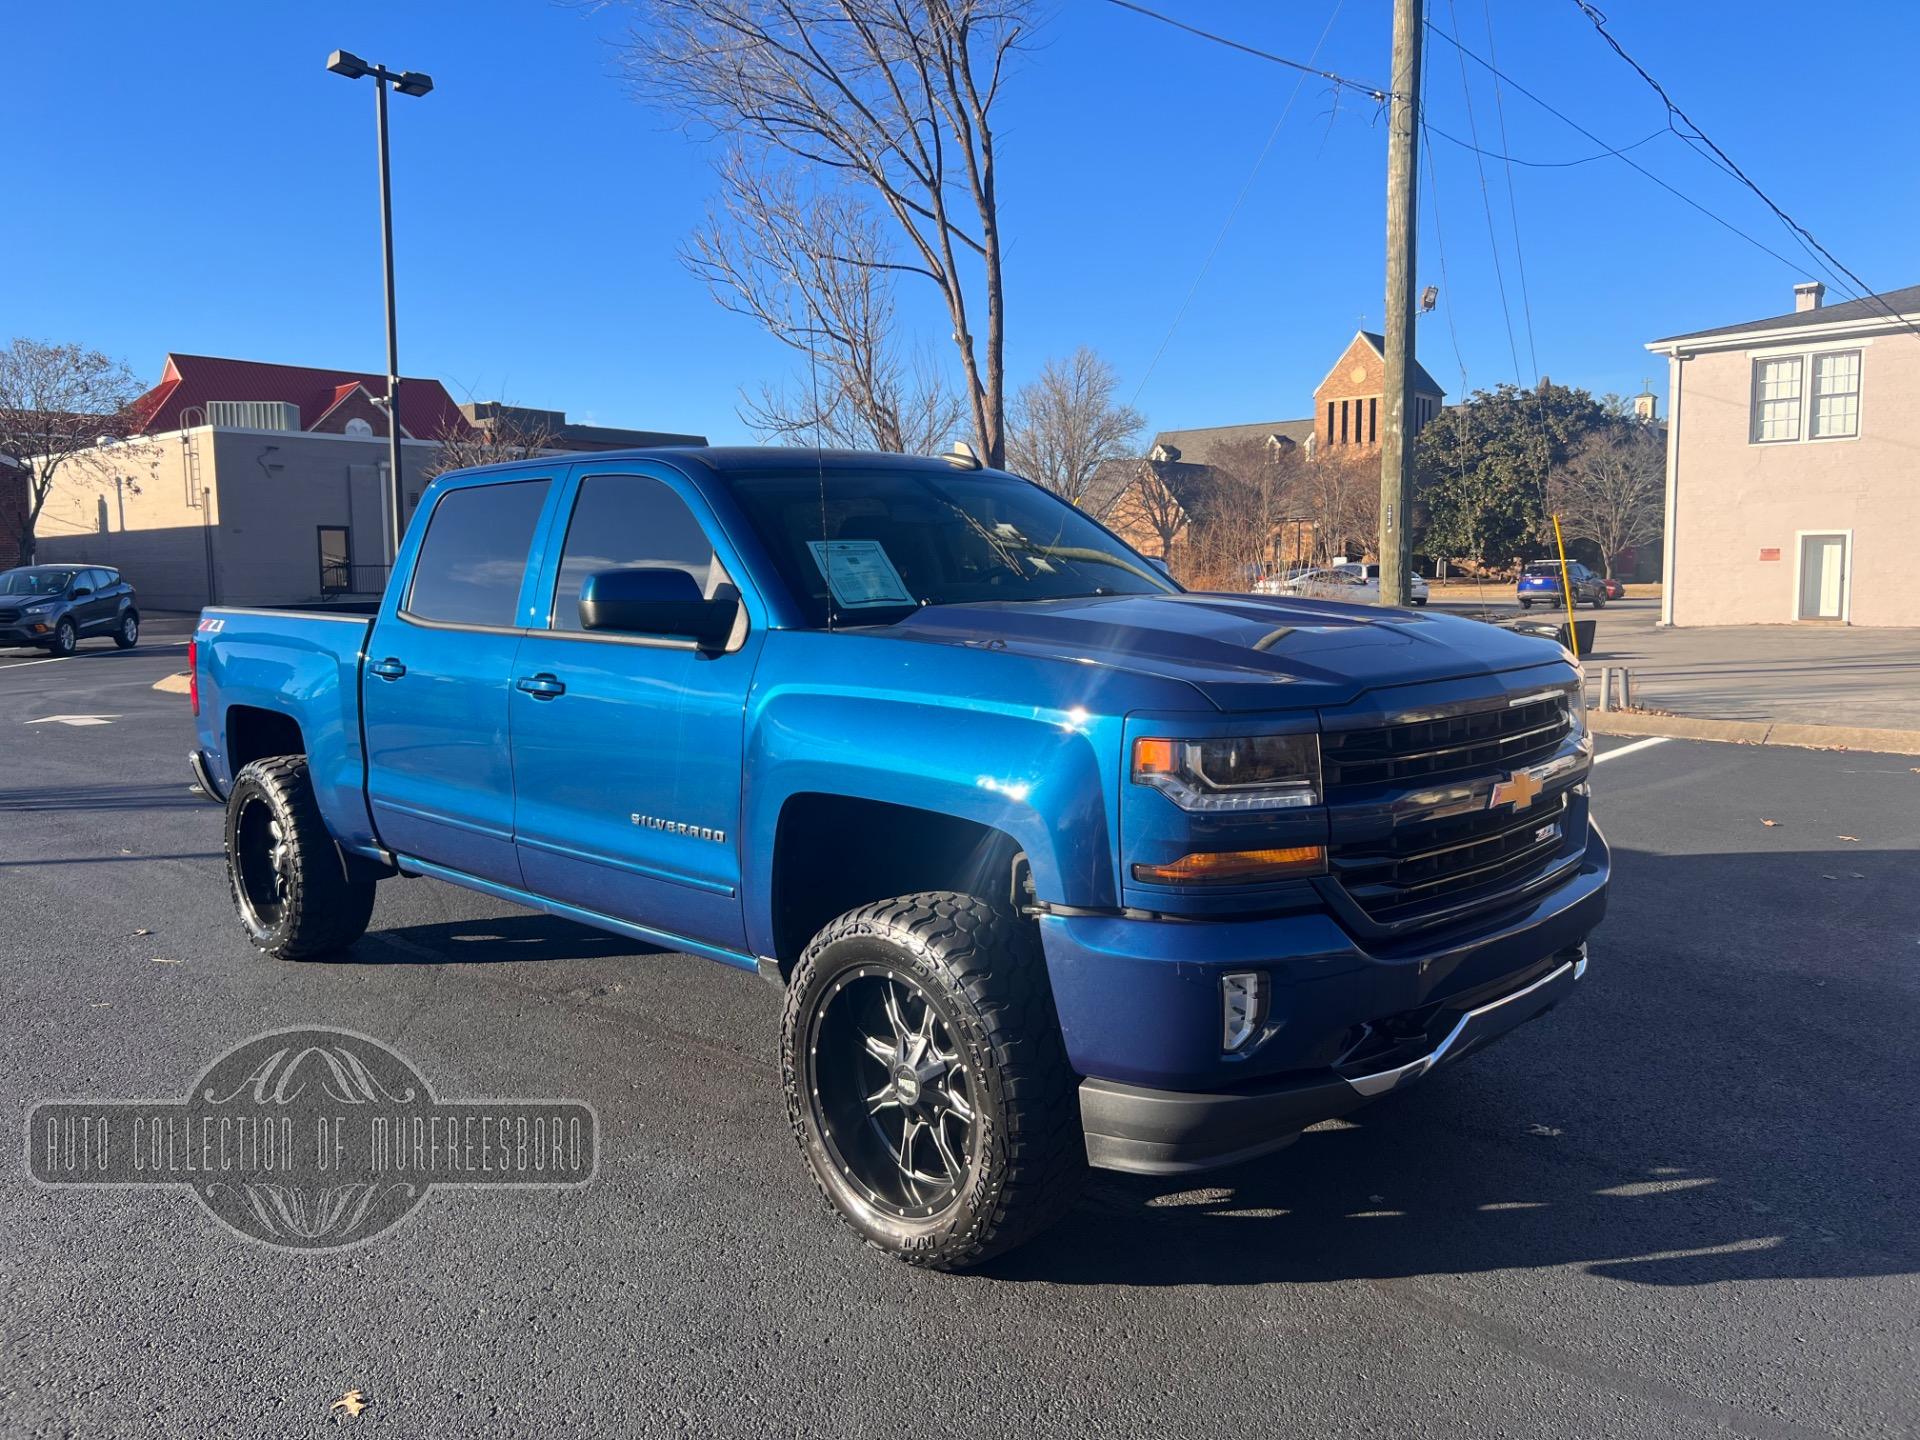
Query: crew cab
x=1058 y=864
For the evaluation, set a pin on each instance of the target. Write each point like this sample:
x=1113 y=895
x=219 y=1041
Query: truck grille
x=1435 y=866
x=1474 y=742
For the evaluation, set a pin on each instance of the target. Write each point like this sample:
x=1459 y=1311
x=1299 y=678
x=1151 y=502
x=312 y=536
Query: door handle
x=388 y=669
x=541 y=687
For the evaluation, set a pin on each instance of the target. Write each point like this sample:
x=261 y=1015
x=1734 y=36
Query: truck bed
x=266 y=669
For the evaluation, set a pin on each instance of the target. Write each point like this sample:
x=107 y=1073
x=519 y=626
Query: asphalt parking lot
x=1681 y=1205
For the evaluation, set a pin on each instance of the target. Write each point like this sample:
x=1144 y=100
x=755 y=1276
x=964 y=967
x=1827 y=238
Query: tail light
x=193 y=675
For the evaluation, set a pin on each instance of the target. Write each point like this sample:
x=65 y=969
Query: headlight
x=1577 y=711
x=38 y=609
x=1255 y=772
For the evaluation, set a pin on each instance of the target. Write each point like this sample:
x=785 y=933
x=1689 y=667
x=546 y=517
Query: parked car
x=1615 y=590
x=1057 y=864
x=57 y=606
x=1353 y=582
x=1540 y=582
x=1417 y=584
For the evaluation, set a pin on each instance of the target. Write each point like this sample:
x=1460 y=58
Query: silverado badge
x=1519 y=790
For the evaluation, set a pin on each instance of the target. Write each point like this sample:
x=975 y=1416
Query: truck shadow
x=492 y=940
x=1727 y=1097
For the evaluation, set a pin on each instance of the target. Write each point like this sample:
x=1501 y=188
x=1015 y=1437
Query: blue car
x=1541 y=582
x=1057 y=864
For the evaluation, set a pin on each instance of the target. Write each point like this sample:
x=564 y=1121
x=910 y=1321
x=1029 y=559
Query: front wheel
x=128 y=635
x=289 y=884
x=927 y=1082
x=66 y=639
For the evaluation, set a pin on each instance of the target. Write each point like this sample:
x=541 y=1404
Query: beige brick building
x=1793 y=483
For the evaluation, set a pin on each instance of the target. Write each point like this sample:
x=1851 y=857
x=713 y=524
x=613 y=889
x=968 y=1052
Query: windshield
x=872 y=545
x=35 y=582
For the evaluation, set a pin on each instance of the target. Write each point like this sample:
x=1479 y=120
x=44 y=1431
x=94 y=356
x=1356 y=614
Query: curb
x=1755 y=732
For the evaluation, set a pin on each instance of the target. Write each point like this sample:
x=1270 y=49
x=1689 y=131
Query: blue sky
x=229 y=207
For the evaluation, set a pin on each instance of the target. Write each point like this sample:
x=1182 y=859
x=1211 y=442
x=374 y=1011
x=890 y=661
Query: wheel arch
x=833 y=853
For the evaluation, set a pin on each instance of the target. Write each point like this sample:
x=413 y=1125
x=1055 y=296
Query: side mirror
x=656 y=601
x=1159 y=563
x=79 y=592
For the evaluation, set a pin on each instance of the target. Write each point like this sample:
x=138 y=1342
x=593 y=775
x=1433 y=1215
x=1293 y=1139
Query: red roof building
x=208 y=389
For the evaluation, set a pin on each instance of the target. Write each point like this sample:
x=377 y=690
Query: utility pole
x=1396 y=439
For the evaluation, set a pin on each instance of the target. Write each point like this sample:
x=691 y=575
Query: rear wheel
x=1526 y=604
x=289 y=884
x=128 y=635
x=927 y=1082
x=1600 y=600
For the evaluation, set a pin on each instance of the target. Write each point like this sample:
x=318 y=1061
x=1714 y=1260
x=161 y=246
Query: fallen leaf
x=1769 y=822
x=143 y=930
x=1854 y=838
x=353 y=1402
x=1545 y=1131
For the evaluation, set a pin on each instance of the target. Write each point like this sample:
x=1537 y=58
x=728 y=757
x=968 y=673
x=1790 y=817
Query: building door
x=336 y=560
x=1823 y=577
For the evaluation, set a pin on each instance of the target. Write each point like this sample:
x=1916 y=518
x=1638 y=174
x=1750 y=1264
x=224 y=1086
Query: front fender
x=938 y=728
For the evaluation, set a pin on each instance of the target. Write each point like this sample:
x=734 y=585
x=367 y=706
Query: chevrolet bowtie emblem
x=1519 y=790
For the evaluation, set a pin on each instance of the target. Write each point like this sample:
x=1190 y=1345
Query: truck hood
x=1242 y=652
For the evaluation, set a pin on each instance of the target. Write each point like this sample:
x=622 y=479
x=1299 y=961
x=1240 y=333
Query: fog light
x=1243 y=1008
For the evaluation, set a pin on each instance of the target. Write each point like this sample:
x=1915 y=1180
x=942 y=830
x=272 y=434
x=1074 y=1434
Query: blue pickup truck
x=1059 y=865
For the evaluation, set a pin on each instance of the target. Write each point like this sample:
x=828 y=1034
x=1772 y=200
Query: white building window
x=1776 y=398
x=1836 y=394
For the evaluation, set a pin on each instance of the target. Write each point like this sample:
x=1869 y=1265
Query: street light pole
x=407 y=82
x=396 y=481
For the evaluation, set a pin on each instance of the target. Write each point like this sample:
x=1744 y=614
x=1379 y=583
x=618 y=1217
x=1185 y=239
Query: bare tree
x=1250 y=502
x=1612 y=490
x=1064 y=425
x=1340 y=493
x=57 y=401
x=895 y=96
x=1150 y=506
x=509 y=435
x=813 y=269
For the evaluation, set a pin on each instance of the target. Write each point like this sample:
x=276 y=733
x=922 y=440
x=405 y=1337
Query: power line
x=1239 y=200
x=1694 y=133
x=1486 y=203
x=1614 y=151
x=1513 y=204
x=1374 y=91
x=1545 y=164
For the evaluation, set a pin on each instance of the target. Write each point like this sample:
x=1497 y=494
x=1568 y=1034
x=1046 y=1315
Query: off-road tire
x=126 y=632
x=981 y=966
x=66 y=639
x=316 y=909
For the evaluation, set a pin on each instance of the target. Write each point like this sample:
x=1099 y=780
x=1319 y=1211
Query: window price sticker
x=859 y=573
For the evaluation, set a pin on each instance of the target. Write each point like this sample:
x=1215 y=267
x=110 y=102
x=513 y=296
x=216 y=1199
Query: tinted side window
x=623 y=522
x=470 y=565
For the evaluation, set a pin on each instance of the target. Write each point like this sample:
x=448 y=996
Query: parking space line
x=1629 y=749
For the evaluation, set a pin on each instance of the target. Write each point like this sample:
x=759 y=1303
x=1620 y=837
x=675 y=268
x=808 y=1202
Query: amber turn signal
x=1236 y=867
